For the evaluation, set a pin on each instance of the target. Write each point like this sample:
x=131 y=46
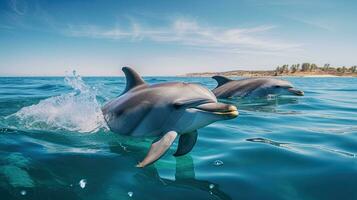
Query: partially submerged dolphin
x=253 y=87
x=164 y=111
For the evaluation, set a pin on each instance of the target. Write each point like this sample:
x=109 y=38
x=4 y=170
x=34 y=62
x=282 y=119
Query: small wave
x=156 y=80
x=294 y=147
x=78 y=110
x=47 y=87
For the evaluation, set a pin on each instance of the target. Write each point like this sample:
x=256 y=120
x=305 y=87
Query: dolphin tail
x=221 y=80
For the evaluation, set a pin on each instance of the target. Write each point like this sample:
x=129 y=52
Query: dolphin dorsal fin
x=221 y=80
x=133 y=79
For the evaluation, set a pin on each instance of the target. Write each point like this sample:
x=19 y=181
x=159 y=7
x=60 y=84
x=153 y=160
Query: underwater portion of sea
x=54 y=144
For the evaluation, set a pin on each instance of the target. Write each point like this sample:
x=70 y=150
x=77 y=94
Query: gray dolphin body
x=253 y=87
x=164 y=111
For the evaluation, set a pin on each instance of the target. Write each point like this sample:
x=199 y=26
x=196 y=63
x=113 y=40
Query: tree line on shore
x=311 y=67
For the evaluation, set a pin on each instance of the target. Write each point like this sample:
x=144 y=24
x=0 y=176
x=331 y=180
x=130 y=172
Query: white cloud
x=181 y=31
x=190 y=33
x=321 y=23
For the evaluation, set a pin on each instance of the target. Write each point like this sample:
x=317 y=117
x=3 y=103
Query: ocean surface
x=54 y=144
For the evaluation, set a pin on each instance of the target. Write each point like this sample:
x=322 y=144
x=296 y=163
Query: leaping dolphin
x=164 y=111
x=253 y=87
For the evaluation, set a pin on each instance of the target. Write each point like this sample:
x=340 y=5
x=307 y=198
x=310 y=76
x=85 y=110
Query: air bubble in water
x=130 y=194
x=83 y=183
x=211 y=186
x=271 y=97
x=218 y=163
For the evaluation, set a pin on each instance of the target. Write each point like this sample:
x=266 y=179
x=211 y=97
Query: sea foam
x=77 y=110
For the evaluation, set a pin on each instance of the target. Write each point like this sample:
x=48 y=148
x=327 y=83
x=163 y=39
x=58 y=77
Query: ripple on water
x=298 y=146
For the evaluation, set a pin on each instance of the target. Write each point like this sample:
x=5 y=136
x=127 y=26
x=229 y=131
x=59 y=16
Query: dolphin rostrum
x=253 y=87
x=164 y=111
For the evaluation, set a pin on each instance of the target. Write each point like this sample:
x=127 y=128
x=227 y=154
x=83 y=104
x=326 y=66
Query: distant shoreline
x=270 y=73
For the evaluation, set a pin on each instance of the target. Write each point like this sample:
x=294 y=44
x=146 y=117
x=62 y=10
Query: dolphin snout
x=219 y=109
x=296 y=91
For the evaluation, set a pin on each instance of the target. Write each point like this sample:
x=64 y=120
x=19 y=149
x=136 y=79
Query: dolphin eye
x=177 y=105
x=190 y=103
x=277 y=86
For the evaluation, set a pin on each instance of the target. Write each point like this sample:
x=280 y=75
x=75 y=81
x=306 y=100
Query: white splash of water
x=77 y=111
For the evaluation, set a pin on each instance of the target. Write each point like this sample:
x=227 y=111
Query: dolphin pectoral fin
x=158 y=148
x=186 y=143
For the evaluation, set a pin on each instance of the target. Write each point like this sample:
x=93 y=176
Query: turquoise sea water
x=54 y=144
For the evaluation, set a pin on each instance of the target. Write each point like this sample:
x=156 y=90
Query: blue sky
x=173 y=37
